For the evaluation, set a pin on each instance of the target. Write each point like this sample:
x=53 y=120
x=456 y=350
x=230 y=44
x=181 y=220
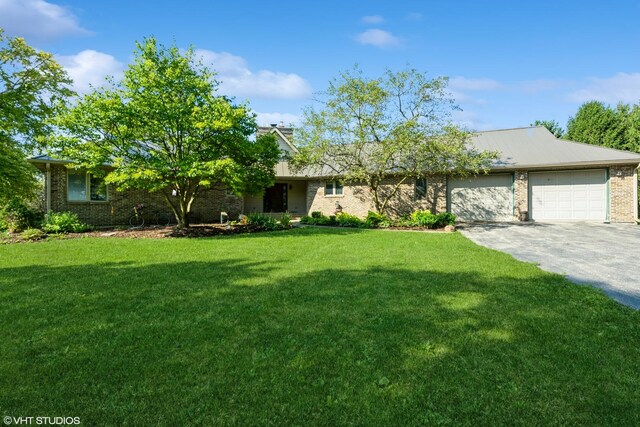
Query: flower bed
x=417 y=220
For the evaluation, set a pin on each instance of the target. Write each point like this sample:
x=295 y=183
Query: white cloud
x=481 y=84
x=378 y=38
x=237 y=79
x=540 y=85
x=471 y=121
x=266 y=119
x=373 y=19
x=622 y=87
x=459 y=88
x=38 y=19
x=414 y=16
x=89 y=68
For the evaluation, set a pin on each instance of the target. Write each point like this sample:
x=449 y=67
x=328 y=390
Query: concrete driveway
x=604 y=255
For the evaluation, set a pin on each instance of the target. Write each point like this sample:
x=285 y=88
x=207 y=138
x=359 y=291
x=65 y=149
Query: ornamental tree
x=32 y=86
x=366 y=130
x=163 y=128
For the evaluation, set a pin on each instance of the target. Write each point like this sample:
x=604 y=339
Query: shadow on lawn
x=241 y=342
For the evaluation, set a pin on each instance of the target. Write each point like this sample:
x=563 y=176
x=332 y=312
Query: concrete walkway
x=603 y=255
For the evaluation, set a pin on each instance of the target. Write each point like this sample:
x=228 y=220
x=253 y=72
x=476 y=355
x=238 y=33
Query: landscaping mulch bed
x=152 y=232
x=160 y=232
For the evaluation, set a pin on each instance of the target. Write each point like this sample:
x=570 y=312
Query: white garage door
x=482 y=198
x=572 y=195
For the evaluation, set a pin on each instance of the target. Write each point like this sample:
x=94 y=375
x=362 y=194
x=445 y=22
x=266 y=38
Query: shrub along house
x=537 y=177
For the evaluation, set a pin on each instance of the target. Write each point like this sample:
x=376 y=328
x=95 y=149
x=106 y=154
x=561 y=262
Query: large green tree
x=164 y=128
x=32 y=86
x=598 y=124
x=368 y=129
x=629 y=118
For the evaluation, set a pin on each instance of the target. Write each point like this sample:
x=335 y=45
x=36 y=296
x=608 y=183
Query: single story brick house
x=537 y=177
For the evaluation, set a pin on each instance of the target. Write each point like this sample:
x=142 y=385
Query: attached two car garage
x=579 y=195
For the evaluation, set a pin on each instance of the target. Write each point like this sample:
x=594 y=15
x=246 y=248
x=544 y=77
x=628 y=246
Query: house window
x=77 y=187
x=83 y=187
x=333 y=188
x=421 y=188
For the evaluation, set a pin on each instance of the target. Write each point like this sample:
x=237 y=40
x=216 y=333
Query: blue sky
x=510 y=62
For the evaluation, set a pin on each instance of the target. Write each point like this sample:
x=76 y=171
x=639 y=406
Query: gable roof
x=536 y=147
x=282 y=136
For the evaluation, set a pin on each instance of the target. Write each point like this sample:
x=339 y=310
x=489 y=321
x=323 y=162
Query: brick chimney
x=286 y=131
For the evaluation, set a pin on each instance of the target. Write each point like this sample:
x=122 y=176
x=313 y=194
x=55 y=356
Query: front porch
x=284 y=196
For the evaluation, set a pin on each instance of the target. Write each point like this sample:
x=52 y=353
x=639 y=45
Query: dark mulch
x=209 y=230
x=152 y=232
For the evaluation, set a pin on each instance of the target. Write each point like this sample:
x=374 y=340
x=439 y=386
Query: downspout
x=47 y=186
x=447 y=195
x=607 y=189
x=635 y=193
x=513 y=196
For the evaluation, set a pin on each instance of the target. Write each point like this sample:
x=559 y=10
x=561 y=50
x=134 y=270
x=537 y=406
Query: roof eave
x=601 y=163
x=54 y=161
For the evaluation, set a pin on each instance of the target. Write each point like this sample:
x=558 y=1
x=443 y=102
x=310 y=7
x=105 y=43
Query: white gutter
x=47 y=186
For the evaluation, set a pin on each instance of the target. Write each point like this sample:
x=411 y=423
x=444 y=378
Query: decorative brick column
x=521 y=189
x=622 y=193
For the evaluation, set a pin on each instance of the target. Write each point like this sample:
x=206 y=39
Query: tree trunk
x=180 y=207
x=393 y=193
x=376 y=199
x=183 y=221
x=185 y=194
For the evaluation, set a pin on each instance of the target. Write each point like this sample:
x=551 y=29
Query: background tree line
x=600 y=124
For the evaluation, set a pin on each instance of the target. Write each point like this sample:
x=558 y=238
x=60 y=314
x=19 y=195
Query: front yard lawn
x=308 y=327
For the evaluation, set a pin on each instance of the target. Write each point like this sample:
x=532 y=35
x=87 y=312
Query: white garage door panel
x=482 y=198
x=572 y=195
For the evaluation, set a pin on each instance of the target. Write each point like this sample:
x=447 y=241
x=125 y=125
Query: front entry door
x=275 y=198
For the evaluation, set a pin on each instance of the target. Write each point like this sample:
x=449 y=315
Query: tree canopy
x=164 y=128
x=368 y=129
x=598 y=124
x=553 y=126
x=32 y=86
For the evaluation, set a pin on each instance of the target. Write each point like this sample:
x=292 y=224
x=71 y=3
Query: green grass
x=308 y=327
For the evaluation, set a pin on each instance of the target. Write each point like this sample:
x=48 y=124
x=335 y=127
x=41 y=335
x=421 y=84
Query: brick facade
x=358 y=200
x=119 y=205
x=622 y=195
